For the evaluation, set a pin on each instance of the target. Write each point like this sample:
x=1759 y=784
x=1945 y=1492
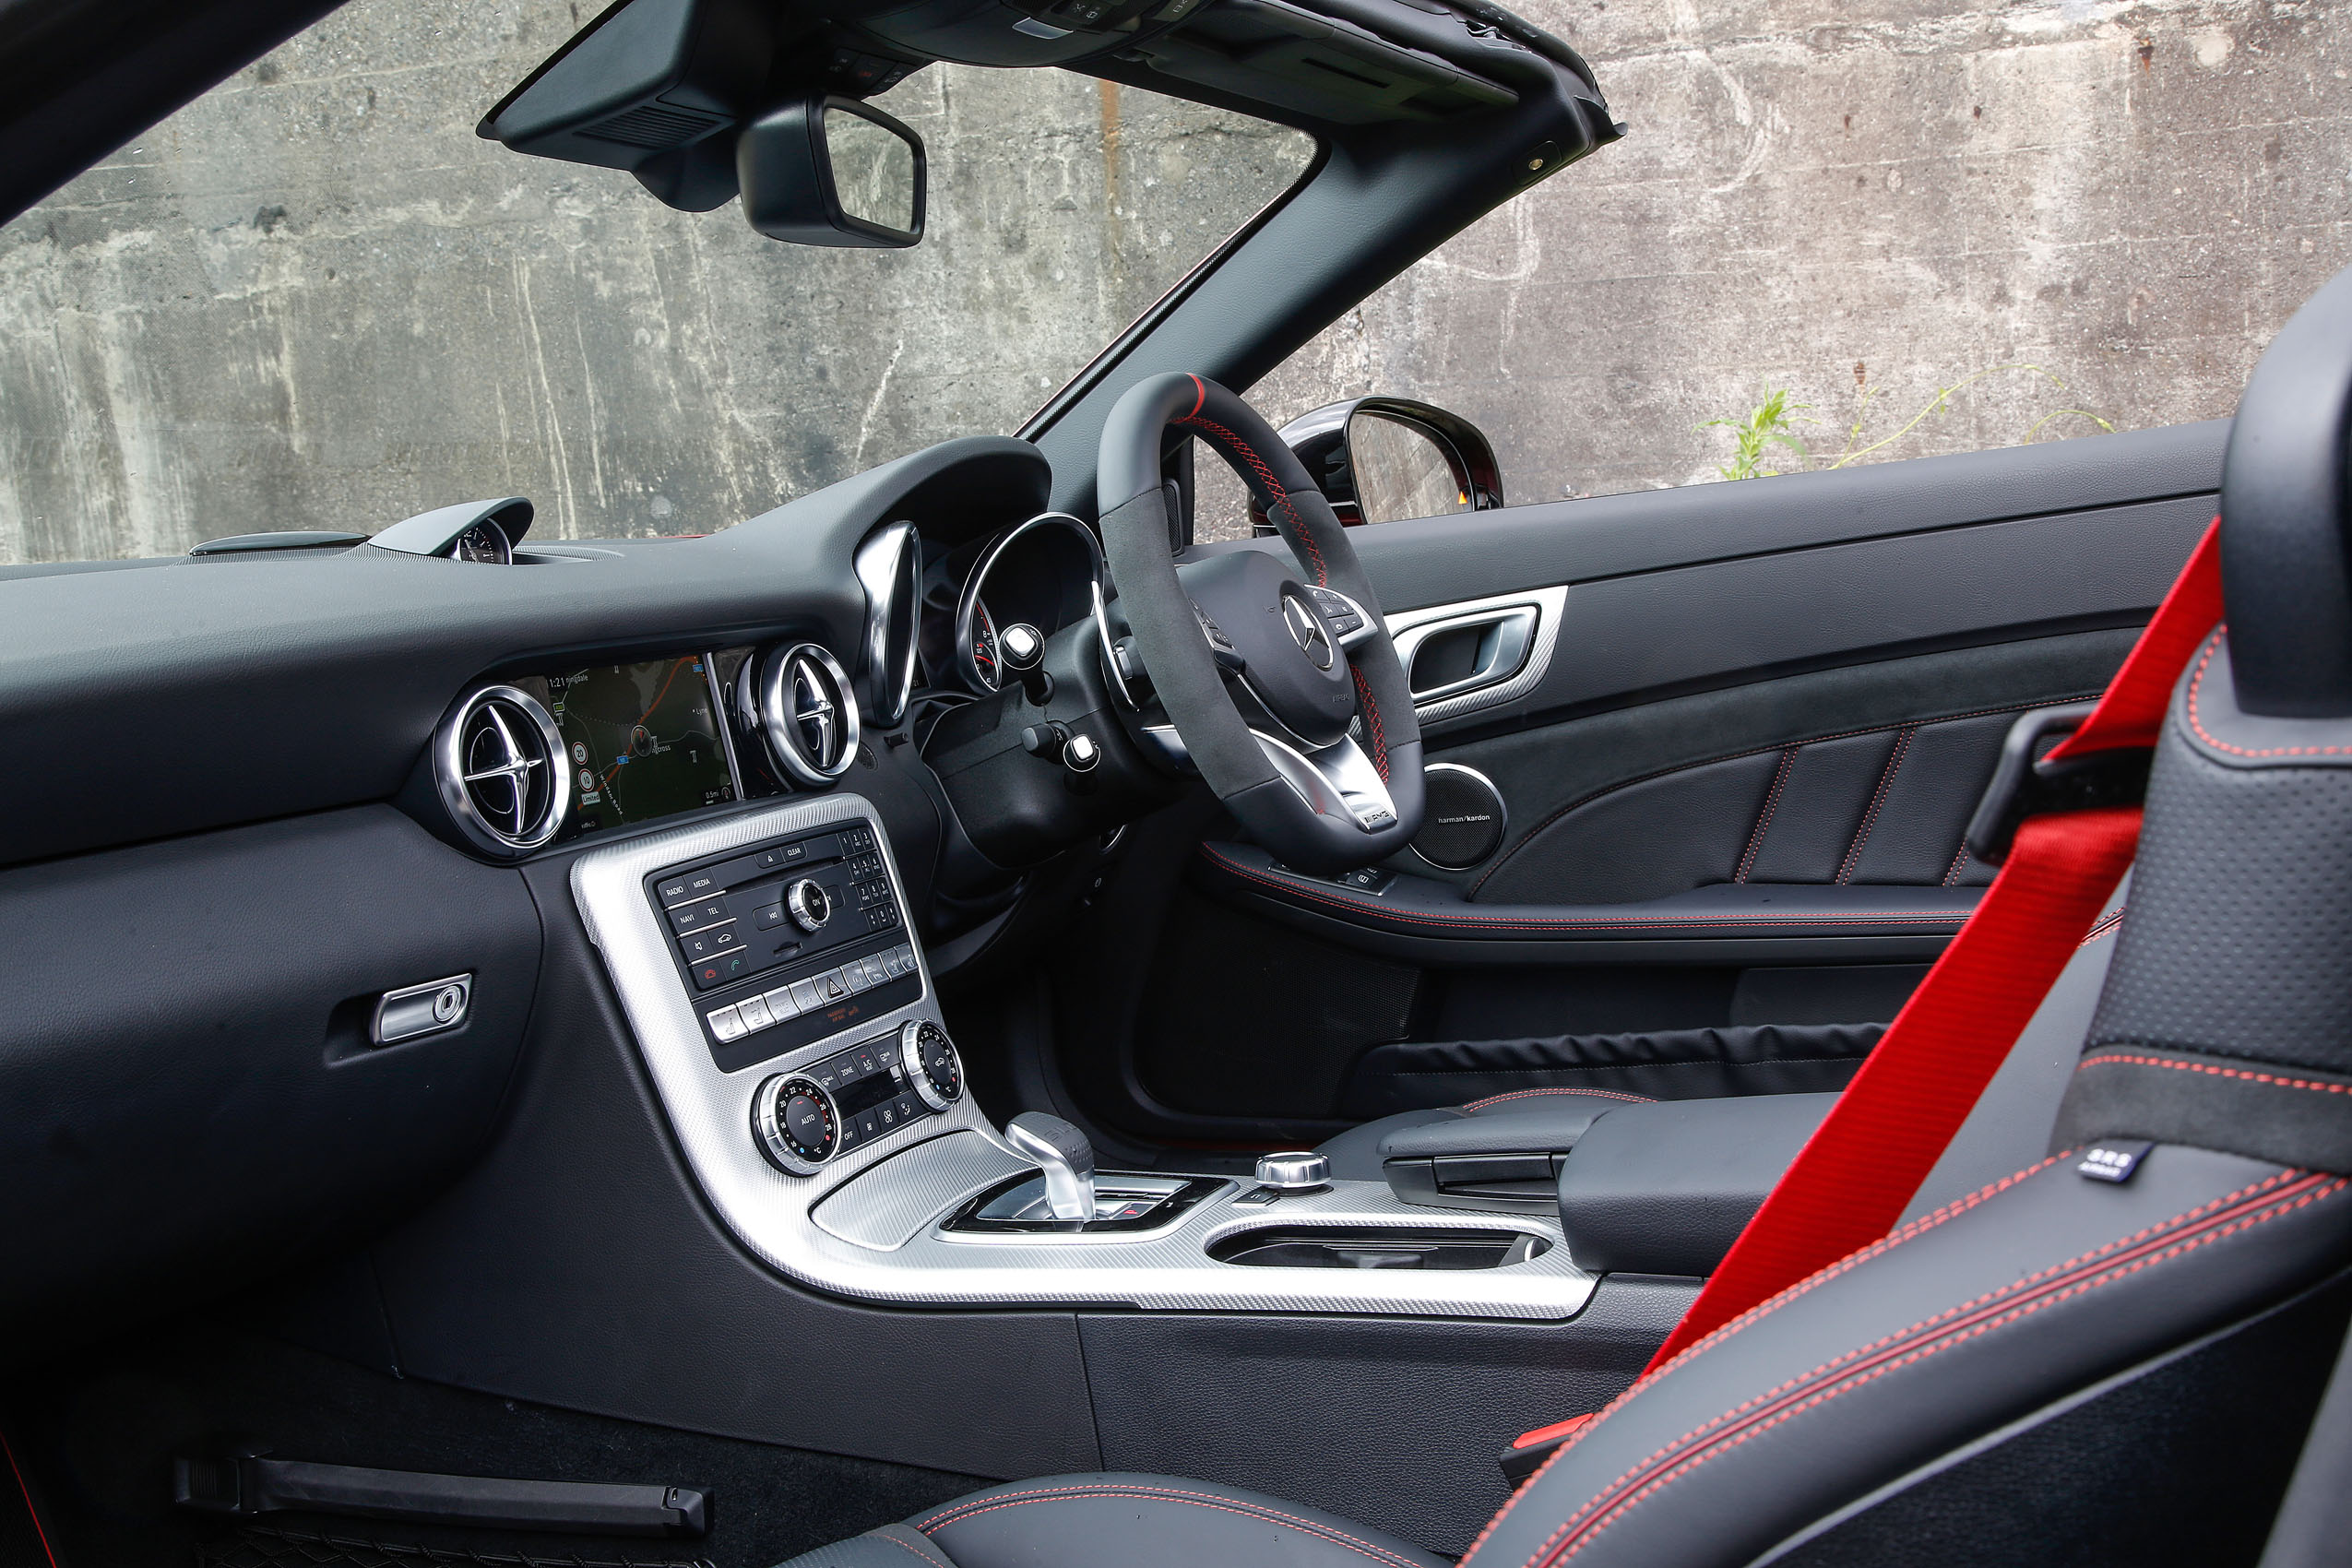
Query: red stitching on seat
x=1522 y=1094
x=1878 y=798
x=1161 y=1494
x=2212 y=645
x=1764 y=817
x=1959 y=863
x=2275 y=1079
x=1663 y=922
x=1603 y=1510
x=1756 y=1314
x=911 y=1546
x=2106 y=925
x=1371 y=712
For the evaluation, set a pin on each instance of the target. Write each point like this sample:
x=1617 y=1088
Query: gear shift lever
x=1065 y=1157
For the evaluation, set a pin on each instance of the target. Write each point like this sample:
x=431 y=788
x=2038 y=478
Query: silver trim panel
x=889 y=567
x=775 y=1215
x=1546 y=607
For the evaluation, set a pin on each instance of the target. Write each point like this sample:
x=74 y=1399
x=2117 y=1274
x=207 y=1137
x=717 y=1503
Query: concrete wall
x=314 y=299
x=1879 y=196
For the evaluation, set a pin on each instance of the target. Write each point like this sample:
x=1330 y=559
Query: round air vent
x=498 y=761
x=1463 y=824
x=805 y=711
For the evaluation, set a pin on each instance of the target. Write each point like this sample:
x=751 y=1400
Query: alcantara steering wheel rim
x=1320 y=761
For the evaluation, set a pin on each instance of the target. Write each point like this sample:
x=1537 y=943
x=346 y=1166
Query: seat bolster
x=1972 y=1318
x=1135 y=1521
x=893 y=1546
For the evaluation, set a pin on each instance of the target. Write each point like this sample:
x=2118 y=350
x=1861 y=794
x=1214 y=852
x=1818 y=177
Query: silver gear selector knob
x=1063 y=1152
x=1302 y=1173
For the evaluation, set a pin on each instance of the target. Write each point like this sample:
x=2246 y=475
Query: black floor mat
x=262 y=1547
x=97 y=1435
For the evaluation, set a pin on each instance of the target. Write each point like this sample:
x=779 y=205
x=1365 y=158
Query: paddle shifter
x=1064 y=1154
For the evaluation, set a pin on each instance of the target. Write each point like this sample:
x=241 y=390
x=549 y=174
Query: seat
x=2110 y=1356
x=1548 y=1120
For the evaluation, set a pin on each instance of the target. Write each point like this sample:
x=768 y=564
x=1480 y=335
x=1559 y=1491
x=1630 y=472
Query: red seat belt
x=1854 y=1178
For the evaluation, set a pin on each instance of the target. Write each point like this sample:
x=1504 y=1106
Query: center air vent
x=498 y=763
x=804 y=710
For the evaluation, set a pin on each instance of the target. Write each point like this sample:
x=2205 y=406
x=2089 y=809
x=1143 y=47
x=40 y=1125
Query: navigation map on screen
x=642 y=740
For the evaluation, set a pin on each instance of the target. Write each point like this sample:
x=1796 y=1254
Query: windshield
x=315 y=299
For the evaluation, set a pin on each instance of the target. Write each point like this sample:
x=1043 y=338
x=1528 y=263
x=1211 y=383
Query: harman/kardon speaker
x=1463 y=820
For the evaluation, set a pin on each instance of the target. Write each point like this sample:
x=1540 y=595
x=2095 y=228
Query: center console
x=785 y=1012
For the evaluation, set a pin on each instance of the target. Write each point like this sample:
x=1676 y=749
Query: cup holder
x=1376 y=1246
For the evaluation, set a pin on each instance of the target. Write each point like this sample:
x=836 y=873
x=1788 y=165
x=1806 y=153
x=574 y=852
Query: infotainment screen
x=644 y=741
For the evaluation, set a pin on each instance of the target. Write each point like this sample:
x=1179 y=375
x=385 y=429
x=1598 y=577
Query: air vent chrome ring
x=497 y=763
x=806 y=711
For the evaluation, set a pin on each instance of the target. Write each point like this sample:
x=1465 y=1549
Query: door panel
x=1736 y=762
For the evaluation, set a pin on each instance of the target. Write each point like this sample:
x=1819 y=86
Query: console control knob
x=809 y=903
x=931 y=1064
x=1297 y=1172
x=795 y=1123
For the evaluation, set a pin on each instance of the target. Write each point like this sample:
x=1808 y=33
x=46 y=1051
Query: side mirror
x=1380 y=459
x=829 y=171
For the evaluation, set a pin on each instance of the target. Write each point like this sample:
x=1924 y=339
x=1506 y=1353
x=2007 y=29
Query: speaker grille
x=1462 y=822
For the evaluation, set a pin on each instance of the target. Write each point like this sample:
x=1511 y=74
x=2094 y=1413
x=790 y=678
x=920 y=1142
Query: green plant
x=1770 y=423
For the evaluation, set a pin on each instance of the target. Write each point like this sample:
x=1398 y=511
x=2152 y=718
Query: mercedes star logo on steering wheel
x=1306 y=630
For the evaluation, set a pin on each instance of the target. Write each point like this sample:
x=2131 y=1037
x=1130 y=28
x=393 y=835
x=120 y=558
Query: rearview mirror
x=829 y=171
x=1382 y=459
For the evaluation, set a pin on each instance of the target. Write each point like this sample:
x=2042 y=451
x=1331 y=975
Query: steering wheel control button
x=809 y=903
x=1295 y=1172
x=937 y=1072
x=795 y=1123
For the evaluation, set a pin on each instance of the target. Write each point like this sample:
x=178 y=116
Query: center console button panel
x=789 y=942
x=853 y=1097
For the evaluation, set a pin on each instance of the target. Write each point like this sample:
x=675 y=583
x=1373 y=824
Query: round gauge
x=486 y=542
x=1044 y=573
x=984 y=646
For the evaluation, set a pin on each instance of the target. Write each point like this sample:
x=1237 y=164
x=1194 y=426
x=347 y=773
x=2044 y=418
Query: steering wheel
x=1283 y=685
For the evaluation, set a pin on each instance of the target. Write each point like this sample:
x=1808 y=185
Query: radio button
x=672 y=892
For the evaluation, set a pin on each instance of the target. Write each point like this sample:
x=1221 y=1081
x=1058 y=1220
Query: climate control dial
x=931 y=1064
x=795 y=1123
